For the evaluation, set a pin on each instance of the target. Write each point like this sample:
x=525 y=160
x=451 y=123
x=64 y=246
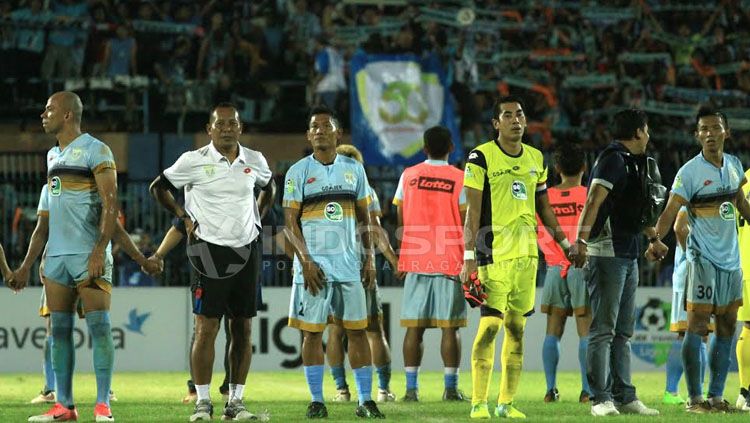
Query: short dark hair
x=438 y=141
x=711 y=111
x=507 y=99
x=320 y=109
x=626 y=123
x=223 y=105
x=569 y=158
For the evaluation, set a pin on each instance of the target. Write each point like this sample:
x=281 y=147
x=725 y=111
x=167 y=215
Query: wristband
x=469 y=255
x=565 y=244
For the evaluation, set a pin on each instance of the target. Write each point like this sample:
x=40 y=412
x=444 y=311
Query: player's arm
x=657 y=250
x=161 y=189
x=20 y=277
x=471 y=227
x=681 y=229
x=369 y=238
x=549 y=219
x=123 y=239
x=106 y=185
x=313 y=276
x=383 y=244
x=266 y=197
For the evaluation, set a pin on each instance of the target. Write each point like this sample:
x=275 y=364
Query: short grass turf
x=155 y=397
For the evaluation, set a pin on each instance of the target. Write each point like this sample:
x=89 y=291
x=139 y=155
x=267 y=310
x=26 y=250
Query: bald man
x=82 y=195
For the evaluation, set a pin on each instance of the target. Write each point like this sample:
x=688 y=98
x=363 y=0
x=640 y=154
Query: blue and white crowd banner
x=394 y=99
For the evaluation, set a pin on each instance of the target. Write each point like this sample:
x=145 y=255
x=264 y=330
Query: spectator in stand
x=29 y=41
x=64 y=43
x=303 y=26
x=120 y=54
x=328 y=80
x=215 y=55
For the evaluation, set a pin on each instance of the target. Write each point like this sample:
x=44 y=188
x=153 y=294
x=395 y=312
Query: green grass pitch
x=155 y=397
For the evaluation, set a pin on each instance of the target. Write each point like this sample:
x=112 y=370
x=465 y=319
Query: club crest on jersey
x=55 y=186
x=726 y=211
x=290 y=186
x=334 y=212
x=210 y=170
x=349 y=178
x=518 y=190
x=76 y=153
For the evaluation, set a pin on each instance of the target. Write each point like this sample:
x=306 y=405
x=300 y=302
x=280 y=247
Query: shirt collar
x=436 y=162
x=217 y=156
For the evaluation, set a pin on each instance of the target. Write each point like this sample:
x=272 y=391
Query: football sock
x=483 y=358
x=674 y=367
x=583 y=348
x=721 y=347
x=450 y=377
x=339 y=376
x=743 y=356
x=384 y=376
x=314 y=376
x=63 y=355
x=511 y=357
x=239 y=391
x=550 y=358
x=363 y=380
x=49 y=372
x=704 y=362
x=691 y=361
x=100 y=330
x=203 y=391
x=411 y=378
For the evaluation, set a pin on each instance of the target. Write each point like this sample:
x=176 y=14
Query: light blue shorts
x=342 y=303
x=72 y=270
x=712 y=290
x=565 y=296
x=432 y=301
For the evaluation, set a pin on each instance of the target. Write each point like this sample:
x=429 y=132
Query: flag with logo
x=394 y=99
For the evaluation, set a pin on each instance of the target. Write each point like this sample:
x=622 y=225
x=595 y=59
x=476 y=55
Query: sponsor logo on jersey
x=435 y=184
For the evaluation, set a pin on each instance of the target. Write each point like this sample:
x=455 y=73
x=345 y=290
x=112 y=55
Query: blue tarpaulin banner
x=394 y=99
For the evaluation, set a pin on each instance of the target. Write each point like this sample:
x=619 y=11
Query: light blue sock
x=550 y=358
x=721 y=347
x=691 y=361
x=100 y=329
x=314 y=376
x=363 y=380
x=704 y=363
x=583 y=348
x=384 y=376
x=339 y=376
x=674 y=367
x=411 y=379
x=450 y=378
x=49 y=372
x=63 y=355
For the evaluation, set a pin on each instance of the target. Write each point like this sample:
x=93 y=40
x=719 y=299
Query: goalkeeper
x=506 y=185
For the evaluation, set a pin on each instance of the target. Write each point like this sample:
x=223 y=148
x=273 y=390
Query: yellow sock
x=483 y=358
x=512 y=357
x=743 y=357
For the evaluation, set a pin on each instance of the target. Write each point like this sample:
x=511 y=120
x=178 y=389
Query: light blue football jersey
x=74 y=203
x=374 y=206
x=712 y=209
x=327 y=196
x=43 y=207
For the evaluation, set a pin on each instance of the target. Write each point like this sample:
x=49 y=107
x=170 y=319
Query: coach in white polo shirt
x=223 y=224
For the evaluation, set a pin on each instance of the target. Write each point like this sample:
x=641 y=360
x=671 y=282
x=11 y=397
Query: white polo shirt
x=219 y=195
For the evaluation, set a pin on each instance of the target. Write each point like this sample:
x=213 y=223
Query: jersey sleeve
x=475 y=172
x=683 y=184
x=541 y=183
x=374 y=206
x=608 y=171
x=265 y=173
x=363 y=195
x=293 y=189
x=43 y=207
x=398 y=198
x=100 y=158
x=180 y=173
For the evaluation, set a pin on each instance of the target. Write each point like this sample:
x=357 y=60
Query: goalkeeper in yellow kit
x=506 y=185
x=743 y=314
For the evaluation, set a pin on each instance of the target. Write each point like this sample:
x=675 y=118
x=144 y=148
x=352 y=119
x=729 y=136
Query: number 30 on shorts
x=705 y=292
